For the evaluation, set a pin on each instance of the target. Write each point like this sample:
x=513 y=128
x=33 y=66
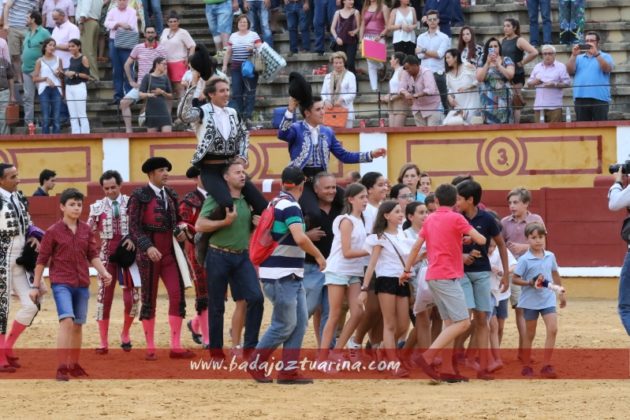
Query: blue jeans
x=50 y=102
x=243 y=94
x=545 y=12
x=624 y=294
x=295 y=13
x=288 y=320
x=258 y=15
x=316 y=293
x=153 y=8
x=324 y=13
x=118 y=58
x=219 y=17
x=237 y=270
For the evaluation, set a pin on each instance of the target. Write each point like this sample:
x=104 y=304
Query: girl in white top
x=398 y=107
x=344 y=267
x=340 y=86
x=389 y=248
x=47 y=73
x=376 y=186
x=461 y=81
x=402 y=24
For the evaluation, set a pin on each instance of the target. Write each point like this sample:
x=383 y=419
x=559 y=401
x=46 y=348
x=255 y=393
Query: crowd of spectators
x=55 y=49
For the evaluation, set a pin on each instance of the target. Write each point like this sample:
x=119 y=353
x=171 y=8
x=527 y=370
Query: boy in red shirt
x=443 y=232
x=68 y=248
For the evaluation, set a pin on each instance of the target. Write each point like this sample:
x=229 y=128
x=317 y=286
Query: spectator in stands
x=121 y=17
x=402 y=25
x=461 y=80
x=514 y=46
x=467 y=46
x=549 y=78
x=35 y=36
x=239 y=48
x=219 y=15
x=323 y=13
x=62 y=34
x=136 y=5
x=144 y=54
x=571 y=17
x=15 y=20
x=49 y=6
x=47 y=75
x=591 y=85
x=495 y=72
x=374 y=18
x=533 y=6
x=88 y=13
x=7 y=92
x=419 y=89
x=297 y=13
x=153 y=15
x=179 y=46
x=156 y=89
x=344 y=30
x=47 y=180
x=449 y=12
x=77 y=75
x=258 y=14
x=431 y=47
x=340 y=87
x=397 y=106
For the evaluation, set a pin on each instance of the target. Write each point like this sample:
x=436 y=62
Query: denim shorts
x=71 y=302
x=532 y=314
x=449 y=299
x=341 y=279
x=220 y=17
x=476 y=288
x=501 y=309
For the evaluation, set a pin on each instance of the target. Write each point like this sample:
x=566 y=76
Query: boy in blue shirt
x=537 y=272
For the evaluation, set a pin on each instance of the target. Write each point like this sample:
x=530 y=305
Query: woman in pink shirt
x=179 y=46
x=374 y=19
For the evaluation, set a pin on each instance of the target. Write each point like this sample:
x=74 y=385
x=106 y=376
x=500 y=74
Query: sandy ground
x=583 y=324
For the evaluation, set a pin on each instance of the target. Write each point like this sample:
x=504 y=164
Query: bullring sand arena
x=584 y=324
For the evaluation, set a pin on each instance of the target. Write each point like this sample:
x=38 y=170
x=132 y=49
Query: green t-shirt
x=235 y=236
x=32 y=48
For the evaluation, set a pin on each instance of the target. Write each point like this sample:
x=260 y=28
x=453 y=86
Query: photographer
x=618 y=198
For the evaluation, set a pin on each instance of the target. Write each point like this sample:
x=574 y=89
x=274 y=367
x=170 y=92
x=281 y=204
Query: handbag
x=247 y=69
x=259 y=62
x=142 y=118
x=337 y=116
x=12 y=114
x=126 y=39
x=374 y=50
x=625 y=230
x=454 y=117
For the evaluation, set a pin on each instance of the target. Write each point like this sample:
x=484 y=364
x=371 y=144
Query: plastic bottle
x=568 y=114
x=542 y=116
x=31 y=128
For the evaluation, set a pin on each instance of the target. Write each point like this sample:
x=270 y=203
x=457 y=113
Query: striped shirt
x=241 y=45
x=287 y=258
x=18 y=12
x=145 y=54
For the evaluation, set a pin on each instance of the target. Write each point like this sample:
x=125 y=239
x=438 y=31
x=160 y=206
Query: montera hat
x=193 y=172
x=200 y=61
x=154 y=163
x=300 y=89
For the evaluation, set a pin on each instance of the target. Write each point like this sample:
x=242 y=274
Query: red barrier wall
x=582 y=231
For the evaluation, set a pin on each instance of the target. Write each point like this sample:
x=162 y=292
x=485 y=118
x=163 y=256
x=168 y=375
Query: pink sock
x=203 y=324
x=124 y=336
x=3 y=359
x=103 y=328
x=16 y=330
x=195 y=324
x=176 y=328
x=149 y=333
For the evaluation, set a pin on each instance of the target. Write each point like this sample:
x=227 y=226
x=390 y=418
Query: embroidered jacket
x=9 y=218
x=301 y=147
x=147 y=215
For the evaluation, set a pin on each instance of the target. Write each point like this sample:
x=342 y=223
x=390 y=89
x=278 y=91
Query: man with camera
x=619 y=198
x=153 y=221
x=591 y=86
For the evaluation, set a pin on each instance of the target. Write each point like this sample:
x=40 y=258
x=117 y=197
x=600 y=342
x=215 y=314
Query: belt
x=89 y=18
x=228 y=250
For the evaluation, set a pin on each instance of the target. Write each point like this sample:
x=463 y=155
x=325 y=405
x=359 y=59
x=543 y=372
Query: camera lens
x=613 y=168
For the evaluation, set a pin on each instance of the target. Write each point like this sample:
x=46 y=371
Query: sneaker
x=473 y=364
x=428 y=369
x=293 y=379
x=62 y=374
x=259 y=376
x=495 y=365
x=484 y=375
x=237 y=352
x=452 y=378
x=528 y=372
x=77 y=371
x=548 y=372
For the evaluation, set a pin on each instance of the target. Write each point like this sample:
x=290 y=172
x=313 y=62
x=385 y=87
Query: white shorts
x=133 y=94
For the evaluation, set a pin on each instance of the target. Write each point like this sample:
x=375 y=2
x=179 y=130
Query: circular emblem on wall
x=502 y=156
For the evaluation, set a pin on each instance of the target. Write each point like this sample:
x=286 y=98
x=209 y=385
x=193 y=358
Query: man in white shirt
x=64 y=31
x=431 y=48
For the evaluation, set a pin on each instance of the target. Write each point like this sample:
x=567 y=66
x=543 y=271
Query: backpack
x=261 y=244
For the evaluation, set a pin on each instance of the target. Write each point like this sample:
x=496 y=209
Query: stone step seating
x=610 y=18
